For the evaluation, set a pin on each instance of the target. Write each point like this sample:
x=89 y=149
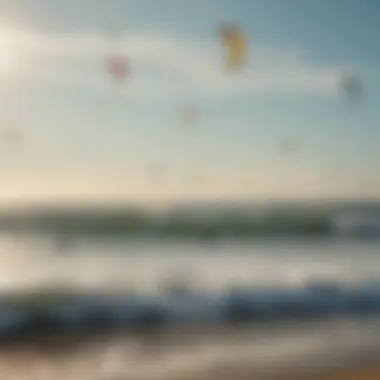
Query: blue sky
x=86 y=138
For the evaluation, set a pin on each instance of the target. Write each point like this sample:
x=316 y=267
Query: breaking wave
x=41 y=313
x=203 y=223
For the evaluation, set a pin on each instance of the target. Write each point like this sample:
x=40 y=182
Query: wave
x=35 y=314
x=203 y=223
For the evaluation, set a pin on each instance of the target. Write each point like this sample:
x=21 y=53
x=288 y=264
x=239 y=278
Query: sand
x=326 y=351
x=372 y=373
x=33 y=363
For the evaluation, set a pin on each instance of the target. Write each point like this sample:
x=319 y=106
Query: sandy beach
x=371 y=373
x=314 y=352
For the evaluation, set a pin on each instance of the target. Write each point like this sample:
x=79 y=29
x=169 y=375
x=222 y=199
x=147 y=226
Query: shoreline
x=368 y=373
x=324 y=351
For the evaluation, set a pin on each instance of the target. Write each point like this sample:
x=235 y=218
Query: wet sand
x=325 y=351
x=40 y=365
x=371 y=373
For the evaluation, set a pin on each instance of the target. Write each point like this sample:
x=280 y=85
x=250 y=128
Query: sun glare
x=8 y=51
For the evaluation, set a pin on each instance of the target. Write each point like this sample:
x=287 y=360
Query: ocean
x=213 y=246
x=297 y=285
x=146 y=265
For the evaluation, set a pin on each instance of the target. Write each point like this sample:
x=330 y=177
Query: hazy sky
x=83 y=136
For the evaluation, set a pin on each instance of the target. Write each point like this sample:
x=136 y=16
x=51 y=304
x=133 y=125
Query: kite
x=288 y=147
x=189 y=115
x=13 y=135
x=156 y=173
x=118 y=67
x=117 y=63
x=351 y=86
x=235 y=47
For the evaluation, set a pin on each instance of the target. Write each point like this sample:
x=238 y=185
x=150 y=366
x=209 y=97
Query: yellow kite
x=235 y=46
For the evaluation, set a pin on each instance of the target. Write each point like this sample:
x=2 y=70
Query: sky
x=86 y=137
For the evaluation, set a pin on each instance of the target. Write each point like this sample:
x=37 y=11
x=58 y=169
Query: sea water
x=148 y=263
x=145 y=265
